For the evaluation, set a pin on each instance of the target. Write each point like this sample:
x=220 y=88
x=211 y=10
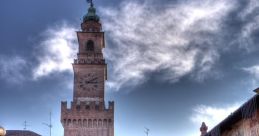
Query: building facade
x=88 y=115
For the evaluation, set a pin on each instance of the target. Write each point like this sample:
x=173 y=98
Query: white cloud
x=56 y=51
x=12 y=69
x=254 y=70
x=174 y=39
x=211 y=115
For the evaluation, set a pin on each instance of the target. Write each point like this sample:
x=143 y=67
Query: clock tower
x=88 y=115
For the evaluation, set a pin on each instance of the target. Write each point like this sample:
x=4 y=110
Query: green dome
x=91 y=15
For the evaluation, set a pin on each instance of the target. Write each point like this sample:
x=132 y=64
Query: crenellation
x=111 y=105
x=86 y=107
x=63 y=106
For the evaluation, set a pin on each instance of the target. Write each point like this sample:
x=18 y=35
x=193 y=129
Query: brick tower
x=88 y=115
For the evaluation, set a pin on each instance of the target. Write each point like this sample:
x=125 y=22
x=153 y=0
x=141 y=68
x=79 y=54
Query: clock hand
x=91 y=81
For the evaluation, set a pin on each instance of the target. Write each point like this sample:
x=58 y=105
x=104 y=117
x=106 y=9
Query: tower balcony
x=89 y=61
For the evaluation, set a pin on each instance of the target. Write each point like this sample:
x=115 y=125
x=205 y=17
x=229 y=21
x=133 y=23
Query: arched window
x=69 y=122
x=110 y=122
x=100 y=123
x=65 y=122
x=95 y=123
x=105 y=123
x=89 y=123
x=85 y=122
x=74 y=122
x=80 y=123
x=90 y=45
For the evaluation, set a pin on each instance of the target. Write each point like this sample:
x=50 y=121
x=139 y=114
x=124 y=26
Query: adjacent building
x=21 y=133
x=88 y=115
x=4 y=132
x=243 y=122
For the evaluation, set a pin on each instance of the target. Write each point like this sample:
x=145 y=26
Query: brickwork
x=245 y=127
x=88 y=119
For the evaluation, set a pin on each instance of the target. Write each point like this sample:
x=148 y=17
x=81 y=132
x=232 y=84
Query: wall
x=245 y=127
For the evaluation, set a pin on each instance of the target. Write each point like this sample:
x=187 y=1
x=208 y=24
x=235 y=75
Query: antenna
x=49 y=125
x=25 y=124
x=147 y=131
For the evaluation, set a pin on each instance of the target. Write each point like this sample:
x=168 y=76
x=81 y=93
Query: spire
x=91 y=14
x=203 y=129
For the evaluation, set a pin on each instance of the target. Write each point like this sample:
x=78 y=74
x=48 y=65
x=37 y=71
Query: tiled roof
x=20 y=133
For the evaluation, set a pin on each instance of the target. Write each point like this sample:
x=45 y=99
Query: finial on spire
x=91 y=2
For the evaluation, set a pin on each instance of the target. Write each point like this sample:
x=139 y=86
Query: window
x=99 y=123
x=89 y=123
x=65 y=121
x=105 y=123
x=90 y=46
x=97 y=107
x=74 y=122
x=80 y=122
x=87 y=107
x=78 y=107
x=69 y=122
x=85 y=122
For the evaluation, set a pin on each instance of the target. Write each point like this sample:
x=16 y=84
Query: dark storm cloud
x=185 y=38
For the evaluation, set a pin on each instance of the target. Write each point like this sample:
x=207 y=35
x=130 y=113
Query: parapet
x=87 y=106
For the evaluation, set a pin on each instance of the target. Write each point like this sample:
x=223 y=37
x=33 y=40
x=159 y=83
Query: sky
x=172 y=63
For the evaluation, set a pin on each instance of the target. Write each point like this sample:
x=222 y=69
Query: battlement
x=86 y=106
x=90 y=114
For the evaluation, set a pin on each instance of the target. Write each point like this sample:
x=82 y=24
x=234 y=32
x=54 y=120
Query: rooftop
x=20 y=133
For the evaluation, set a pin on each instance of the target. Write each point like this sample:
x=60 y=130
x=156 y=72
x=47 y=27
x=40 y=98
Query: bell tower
x=87 y=115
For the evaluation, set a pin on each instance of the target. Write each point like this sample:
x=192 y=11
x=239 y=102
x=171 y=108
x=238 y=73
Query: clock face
x=88 y=82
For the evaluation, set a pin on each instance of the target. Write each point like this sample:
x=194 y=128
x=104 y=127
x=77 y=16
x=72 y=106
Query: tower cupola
x=91 y=14
x=91 y=21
